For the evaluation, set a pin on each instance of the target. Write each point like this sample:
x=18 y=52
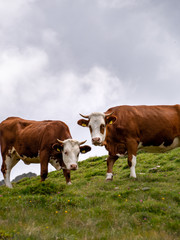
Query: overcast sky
x=60 y=58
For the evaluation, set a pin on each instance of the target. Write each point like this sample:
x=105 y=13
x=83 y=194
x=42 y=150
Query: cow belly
x=28 y=160
x=160 y=148
x=12 y=153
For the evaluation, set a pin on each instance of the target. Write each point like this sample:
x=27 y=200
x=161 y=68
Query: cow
x=38 y=142
x=123 y=130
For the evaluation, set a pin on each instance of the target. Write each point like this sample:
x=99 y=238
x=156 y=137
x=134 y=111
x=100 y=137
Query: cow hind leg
x=44 y=157
x=132 y=165
x=132 y=150
x=8 y=164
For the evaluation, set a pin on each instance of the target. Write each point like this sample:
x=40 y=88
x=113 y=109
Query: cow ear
x=57 y=147
x=85 y=149
x=111 y=120
x=83 y=122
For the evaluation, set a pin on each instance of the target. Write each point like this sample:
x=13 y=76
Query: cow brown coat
x=148 y=125
x=27 y=139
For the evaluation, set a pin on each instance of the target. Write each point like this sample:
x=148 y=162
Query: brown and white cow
x=38 y=142
x=123 y=130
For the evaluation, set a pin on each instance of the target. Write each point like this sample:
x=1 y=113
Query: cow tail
x=0 y=133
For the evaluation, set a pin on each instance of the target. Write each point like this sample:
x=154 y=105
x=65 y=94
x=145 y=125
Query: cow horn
x=108 y=114
x=62 y=142
x=81 y=143
x=84 y=116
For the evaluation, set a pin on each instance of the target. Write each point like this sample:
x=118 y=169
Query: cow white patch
x=70 y=153
x=160 y=148
x=109 y=176
x=120 y=155
x=55 y=164
x=10 y=163
x=96 y=120
x=132 y=169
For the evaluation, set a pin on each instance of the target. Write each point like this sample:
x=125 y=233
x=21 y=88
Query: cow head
x=70 y=150
x=97 y=123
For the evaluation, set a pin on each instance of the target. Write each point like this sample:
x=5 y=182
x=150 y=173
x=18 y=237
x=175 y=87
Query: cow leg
x=8 y=164
x=132 y=150
x=110 y=162
x=132 y=165
x=67 y=176
x=44 y=158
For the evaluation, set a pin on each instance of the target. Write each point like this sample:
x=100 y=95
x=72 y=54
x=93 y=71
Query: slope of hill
x=24 y=175
x=90 y=208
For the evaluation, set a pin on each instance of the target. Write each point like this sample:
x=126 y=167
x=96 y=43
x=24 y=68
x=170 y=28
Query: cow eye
x=66 y=153
x=102 y=128
x=90 y=128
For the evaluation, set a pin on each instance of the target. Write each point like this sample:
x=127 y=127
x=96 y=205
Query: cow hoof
x=132 y=175
x=69 y=183
x=109 y=176
x=109 y=179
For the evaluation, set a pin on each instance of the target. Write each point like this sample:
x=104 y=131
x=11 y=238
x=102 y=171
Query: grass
x=90 y=208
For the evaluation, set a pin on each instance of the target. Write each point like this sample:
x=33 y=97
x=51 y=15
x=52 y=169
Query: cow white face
x=97 y=123
x=70 y=150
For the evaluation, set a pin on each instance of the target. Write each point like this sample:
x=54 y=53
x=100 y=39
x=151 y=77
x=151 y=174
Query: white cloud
x=13 y=10
x=163 y=47
x=120 y=3
x=50 y=37
x=19 y=69
x=30 y=89
x=92 y=91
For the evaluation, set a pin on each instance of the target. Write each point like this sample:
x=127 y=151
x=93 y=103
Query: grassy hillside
x=145 y=208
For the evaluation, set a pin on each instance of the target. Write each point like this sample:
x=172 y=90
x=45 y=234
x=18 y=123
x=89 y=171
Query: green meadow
x=91 y=208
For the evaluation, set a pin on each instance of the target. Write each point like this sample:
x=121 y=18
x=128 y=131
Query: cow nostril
x=73 y=166
x=96 y=139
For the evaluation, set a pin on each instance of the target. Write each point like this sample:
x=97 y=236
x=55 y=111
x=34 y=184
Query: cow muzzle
x=73 y=167
x=96 y=141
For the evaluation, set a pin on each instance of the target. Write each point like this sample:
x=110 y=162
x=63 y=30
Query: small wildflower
x=119 y=195
x=56 y=211
x=68 y=200
x=145 y=219
x=163 y=198
x=19 y=196
x=47 y=227
x=1 y=195
x=58 y=192
x=65 y=211
x=126 y=200
x=141 y=200
x=30 y=201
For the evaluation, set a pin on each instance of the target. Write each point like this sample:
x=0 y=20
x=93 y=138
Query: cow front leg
x=67 y=176
x=132 y=165
x=132 y=150
x=44 y=157
x=110 y=162
x=8 y=164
